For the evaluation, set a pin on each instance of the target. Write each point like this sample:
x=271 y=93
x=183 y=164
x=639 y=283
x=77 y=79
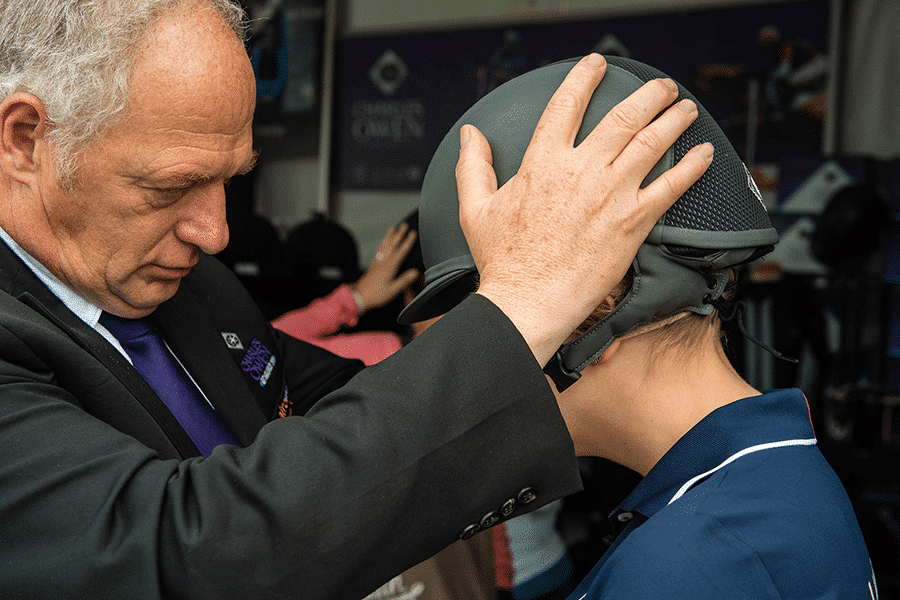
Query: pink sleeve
x=368 y=346
x=322 y=317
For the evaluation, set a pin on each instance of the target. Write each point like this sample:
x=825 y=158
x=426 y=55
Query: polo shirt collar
x=772 y=417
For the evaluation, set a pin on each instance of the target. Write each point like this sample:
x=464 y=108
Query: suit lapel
x=18 y=280
x=201 y=348
x=188 y=331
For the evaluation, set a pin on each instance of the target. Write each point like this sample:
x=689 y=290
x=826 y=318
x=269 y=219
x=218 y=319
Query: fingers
x=669 y=186
x=561 y=120
x=393 y=248
x=380 y=283
x=392 y=237
x=475 y=177
x=400 y=245
x=650 y=143
x=631 y=116
x=406 y=279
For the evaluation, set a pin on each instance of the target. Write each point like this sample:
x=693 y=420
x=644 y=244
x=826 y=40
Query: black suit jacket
x=104 y=495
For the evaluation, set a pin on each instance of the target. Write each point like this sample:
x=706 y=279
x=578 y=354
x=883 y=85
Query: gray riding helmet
x=720 y=222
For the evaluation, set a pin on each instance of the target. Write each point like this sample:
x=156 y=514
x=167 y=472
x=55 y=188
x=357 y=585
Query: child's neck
x=654 y=398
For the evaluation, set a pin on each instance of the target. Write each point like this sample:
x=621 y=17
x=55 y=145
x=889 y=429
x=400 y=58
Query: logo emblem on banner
x=388 y=73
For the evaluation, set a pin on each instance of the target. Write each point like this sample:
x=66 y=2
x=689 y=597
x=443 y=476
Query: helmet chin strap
x=663 y=286
x=735 y=311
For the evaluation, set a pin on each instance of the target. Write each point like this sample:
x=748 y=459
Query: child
x=736 y=499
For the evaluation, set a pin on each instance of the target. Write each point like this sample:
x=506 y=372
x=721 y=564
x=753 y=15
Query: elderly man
x=143 y=456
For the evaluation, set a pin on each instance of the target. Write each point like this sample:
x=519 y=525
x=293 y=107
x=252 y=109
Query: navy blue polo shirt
x=743 y=506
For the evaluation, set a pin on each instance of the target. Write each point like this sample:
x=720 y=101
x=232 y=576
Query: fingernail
x=595 y=59
x=687 y=105
x=463 y=135
x=706 y=150
x=670 y=84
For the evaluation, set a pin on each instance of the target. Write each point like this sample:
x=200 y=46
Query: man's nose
x=203 y=224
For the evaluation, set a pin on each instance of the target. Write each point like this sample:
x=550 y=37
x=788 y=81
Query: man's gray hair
x=77 y=56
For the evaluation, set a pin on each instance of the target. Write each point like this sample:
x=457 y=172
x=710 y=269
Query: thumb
x=475 y=177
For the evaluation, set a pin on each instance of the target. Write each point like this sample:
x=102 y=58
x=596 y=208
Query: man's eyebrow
x=190 y=178
x=186 y=178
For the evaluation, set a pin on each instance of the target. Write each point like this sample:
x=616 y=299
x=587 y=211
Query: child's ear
x=609 y=352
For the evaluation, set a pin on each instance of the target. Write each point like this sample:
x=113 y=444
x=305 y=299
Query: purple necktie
x=159 y=368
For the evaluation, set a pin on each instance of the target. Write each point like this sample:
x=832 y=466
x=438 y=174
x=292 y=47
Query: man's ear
x=23 y=127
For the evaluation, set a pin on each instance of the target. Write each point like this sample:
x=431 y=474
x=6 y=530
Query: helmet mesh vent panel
x=729 y=206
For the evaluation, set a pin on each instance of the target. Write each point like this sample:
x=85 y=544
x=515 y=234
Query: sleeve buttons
x=508 y=508
x=527 y=496
x=490 y=519
x=469 y=532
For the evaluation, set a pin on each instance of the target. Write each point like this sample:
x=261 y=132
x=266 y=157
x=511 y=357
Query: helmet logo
x=754 y=188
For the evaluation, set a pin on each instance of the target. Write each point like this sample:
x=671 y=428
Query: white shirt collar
x=86 y=310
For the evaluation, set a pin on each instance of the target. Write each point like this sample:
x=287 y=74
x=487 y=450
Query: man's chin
x=140 y=303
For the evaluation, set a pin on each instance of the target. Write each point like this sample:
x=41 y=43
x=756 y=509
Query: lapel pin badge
x=232 y=341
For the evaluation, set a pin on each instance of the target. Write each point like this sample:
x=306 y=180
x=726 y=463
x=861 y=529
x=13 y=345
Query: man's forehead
x=190 y=44
x=198 y=95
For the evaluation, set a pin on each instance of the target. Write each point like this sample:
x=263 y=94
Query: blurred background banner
x=398 y=94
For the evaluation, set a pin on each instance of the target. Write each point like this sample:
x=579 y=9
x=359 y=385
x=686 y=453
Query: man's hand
x=554 y=240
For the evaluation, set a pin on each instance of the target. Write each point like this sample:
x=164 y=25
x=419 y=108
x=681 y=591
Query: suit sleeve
x=376 y=477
